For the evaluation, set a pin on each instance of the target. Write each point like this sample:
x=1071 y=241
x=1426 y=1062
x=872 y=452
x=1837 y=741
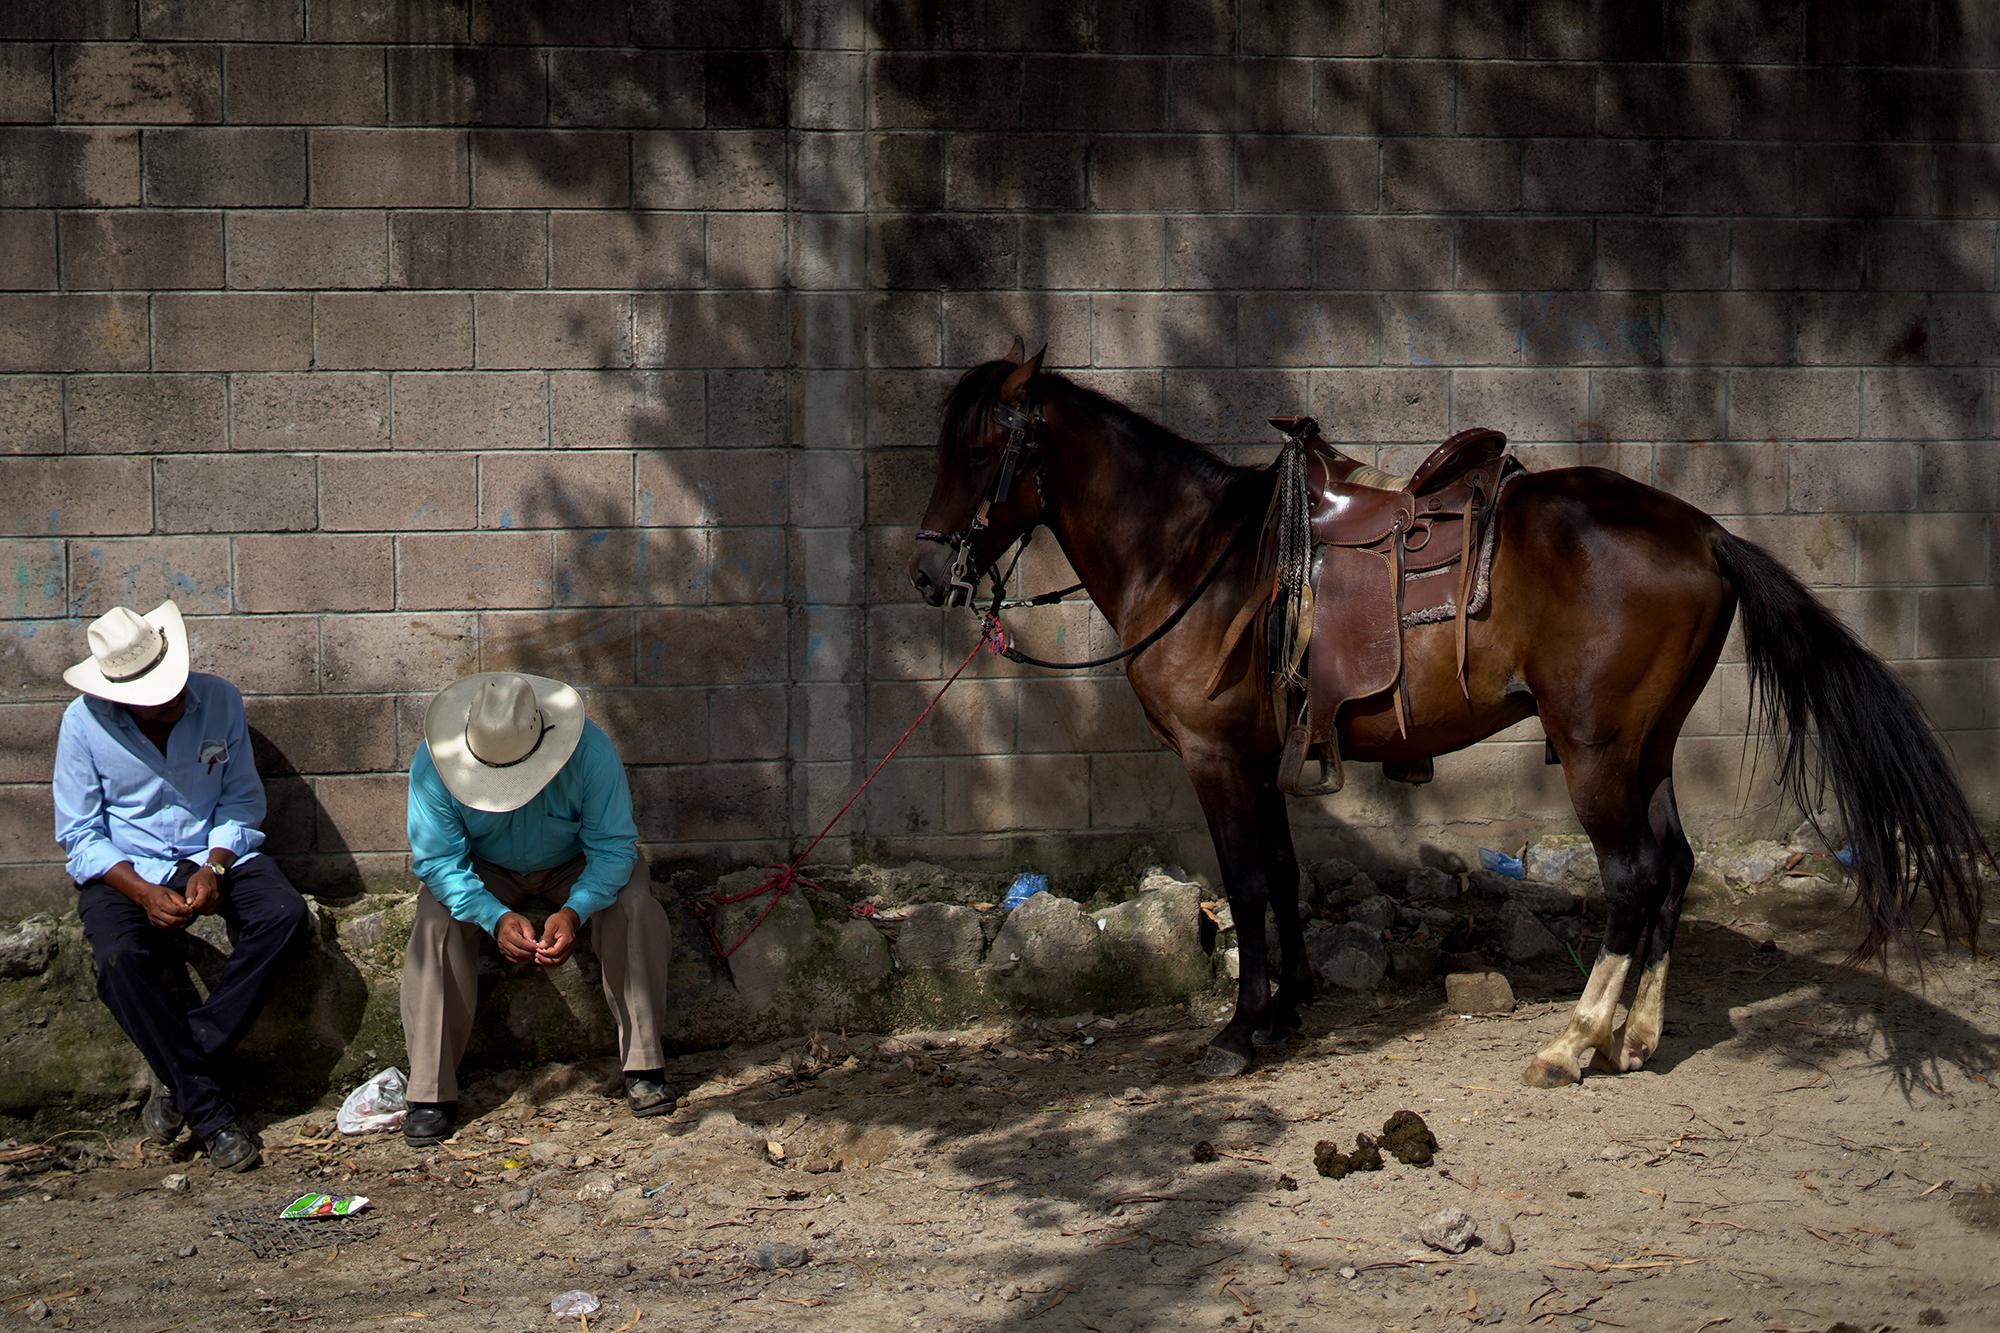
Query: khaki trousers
x=630 y=936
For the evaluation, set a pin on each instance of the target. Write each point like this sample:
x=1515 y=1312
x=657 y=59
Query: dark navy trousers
x=186 y=1046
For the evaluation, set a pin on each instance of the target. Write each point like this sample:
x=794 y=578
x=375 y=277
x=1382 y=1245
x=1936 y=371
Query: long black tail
x=1904 y=814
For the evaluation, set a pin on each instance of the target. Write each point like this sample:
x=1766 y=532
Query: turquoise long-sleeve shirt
x=585 y=810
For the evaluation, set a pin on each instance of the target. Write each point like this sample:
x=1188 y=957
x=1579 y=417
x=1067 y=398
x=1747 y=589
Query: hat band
x=119 y=677
x=546 y=727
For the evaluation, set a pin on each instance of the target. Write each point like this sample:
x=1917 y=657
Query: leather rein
x=1025 y=432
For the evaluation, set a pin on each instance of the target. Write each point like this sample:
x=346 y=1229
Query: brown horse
x=1609 y=605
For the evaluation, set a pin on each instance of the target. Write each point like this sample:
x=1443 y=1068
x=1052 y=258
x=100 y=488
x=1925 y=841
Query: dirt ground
x=1810 y=1147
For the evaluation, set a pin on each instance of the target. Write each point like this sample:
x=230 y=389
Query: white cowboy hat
x=134 y=659
x=498 y=737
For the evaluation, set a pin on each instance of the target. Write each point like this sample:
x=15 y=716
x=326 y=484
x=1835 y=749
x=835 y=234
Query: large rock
x=1544 y=899
x=1429 y=884
x=777 y=951
x=1377 y=913
x=1047 y=951
x=27 y=949
x=1153 y=942
x=1526 y=939
x=1478 y=993
x=1348 y=956
x=1751 y=864
x=942 y=936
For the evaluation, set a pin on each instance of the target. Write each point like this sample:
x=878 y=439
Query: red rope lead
x=782 y=879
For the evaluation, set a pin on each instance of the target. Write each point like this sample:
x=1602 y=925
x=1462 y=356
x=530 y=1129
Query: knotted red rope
x=782 y=879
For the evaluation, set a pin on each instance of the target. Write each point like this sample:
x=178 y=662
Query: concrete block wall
x=402 y=338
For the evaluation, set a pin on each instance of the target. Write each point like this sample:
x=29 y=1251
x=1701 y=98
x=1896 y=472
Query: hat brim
x=482 y=786
x=158 y=684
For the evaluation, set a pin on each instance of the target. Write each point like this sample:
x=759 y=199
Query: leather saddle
x=1388 y=553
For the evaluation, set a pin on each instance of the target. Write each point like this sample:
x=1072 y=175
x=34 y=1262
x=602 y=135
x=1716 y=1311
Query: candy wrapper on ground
x=309 y=1206
x=376 y=1104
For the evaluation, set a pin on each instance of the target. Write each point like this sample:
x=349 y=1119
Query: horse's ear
x=1015 y=386
x=1017 y=353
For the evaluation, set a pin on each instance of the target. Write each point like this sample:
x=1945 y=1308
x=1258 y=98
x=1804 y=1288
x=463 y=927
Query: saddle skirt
x=1387 y=554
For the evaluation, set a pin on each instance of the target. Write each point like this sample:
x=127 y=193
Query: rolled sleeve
x=440 y=854
x=609 y=835
x=81 y=827
x=240 y=807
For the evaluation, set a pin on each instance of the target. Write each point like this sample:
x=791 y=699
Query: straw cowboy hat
x=134 y=659
x=498 y=737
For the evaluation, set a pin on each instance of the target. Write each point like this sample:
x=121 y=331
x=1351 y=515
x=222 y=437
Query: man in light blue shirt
x=516 y=797
x=157 y=805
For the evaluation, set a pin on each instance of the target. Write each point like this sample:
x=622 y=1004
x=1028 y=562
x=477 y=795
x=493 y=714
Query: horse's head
x=988 y=490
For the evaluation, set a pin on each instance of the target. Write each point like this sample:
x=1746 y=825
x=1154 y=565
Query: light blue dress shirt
x=586 y=810
x=119 y=799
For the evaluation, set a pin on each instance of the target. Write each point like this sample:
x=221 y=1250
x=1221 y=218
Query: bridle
x=1026 y=430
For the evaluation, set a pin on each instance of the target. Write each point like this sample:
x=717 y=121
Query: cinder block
x=828 y=172
x=936 y=90
x=1592 y=329
x=1922 y=549
x=27 y=251
x=1795 y=405
x=319 y=411
x=712 y=645
x=27 y=92
x=906 y=170
x=234 y=493
x=1665 y=101
x=1656 y=255
x=467 y=85
x=1475 y=328
x=1486 y=29
x=1179 y=173
x=1237 y=252
x=395 y=653
x=141 y=250
x=33 y=656
x=709 y=329
x=1659 y=404
x=1196 y=329
x=751 y=407
x=466 y=250
x=994 y=793
x=139 y=85
x=905 y=329
x=397 y=492
x=1347 y=97
x=393 y=331
x=574 y=489
x=943 y=251
x=1382 y=405
x=557 y=329
x=1523 y=253
x=66 y=496
x=1709 y=328
x=1093 y=252
x=1528 y=405
x=565 y=25
x=26 y=816
x=1790 y=102
x=635 y=567
x=63 y=332
x=1134 y=25
x=361 y=813
x=746 y=250
x=483 y=570
x=1724 y=478
x=826 y=489
x=625 y=249
x=829 y=250
x=31 y=414
x=40 y=576
x=1797 y=255
x=1002 y=171
x=145 y=414
x=69 y=168
x=314 y=573
x=735 y=169
x=1521 y=98
x=1230 y=406
x=710 y=802
x=389 y=21
x=1956 y=695
x=1451 y=176
x=1967 y=184
x=221 y=20
x=903 y=406
x=979 y=326
x=225 y=167
x=980 y=719
x=390 y=168
x=1867 y=180
x=746 y=89
x=1718 y=30
x=1258 y=96
x=1930 y=256
x=579 y=647
x=612 y=409
x=1370 y=254
x=142 y=572
x=826 y=329
x=257 y=654
x=233 y=332
x=322 y=734
x=748 y=565
x=1591 y=176
x=550 y=169
x=1925 y=404
x=1141 y=791
x=1956 y=622
x=711 y=488
x=1819 y=548
x=27 y=740
x=1310 y=330
x=643 y=89
x=653 y=726
x=1731 y=178
x=749 y=723
x=481 y=410
x=1415 y=97
x=1959 y=475
x=1092 y=92
x=305 y=85
x=1852 y=476
x=295 y=250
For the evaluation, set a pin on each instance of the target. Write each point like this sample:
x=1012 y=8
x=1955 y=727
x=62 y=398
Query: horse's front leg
x=1229 y=800
x=1281 y=875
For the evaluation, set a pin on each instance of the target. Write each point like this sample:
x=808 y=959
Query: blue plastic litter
x=1025 y=886
x=1502 y=864
x=1845 y=856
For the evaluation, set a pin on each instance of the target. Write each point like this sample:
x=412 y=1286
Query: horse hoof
x=1545 y=1073
x=1275 y=1035
x=1218 y=1062
x=1631 y=1059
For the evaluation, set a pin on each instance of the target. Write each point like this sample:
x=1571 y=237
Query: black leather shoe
x=234 y=1147
x=162 y=1116
x=647 y=1092
x=430 y=1122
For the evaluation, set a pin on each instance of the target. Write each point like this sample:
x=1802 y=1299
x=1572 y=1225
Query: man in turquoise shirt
x=516 y=797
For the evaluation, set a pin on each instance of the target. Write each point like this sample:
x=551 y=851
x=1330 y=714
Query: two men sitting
x=515 y=798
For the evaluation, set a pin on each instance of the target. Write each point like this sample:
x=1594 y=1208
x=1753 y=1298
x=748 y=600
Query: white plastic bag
x=376 y=1104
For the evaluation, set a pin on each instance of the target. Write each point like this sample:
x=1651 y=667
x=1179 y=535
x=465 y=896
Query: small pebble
x=1498 y=1239
x=38 y=1311
x=1349 y=1272
x=188 y=1251
x=1204 y=1151
x=176 y=1183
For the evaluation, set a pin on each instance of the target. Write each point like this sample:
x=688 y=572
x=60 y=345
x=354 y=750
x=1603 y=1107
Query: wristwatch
x=220 y=870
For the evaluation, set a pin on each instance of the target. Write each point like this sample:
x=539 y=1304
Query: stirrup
x=1297 y=741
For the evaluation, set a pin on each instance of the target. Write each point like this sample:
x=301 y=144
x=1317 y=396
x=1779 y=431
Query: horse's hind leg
x=1281 y=873
x=1640 y=1036
x=1229 y=800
